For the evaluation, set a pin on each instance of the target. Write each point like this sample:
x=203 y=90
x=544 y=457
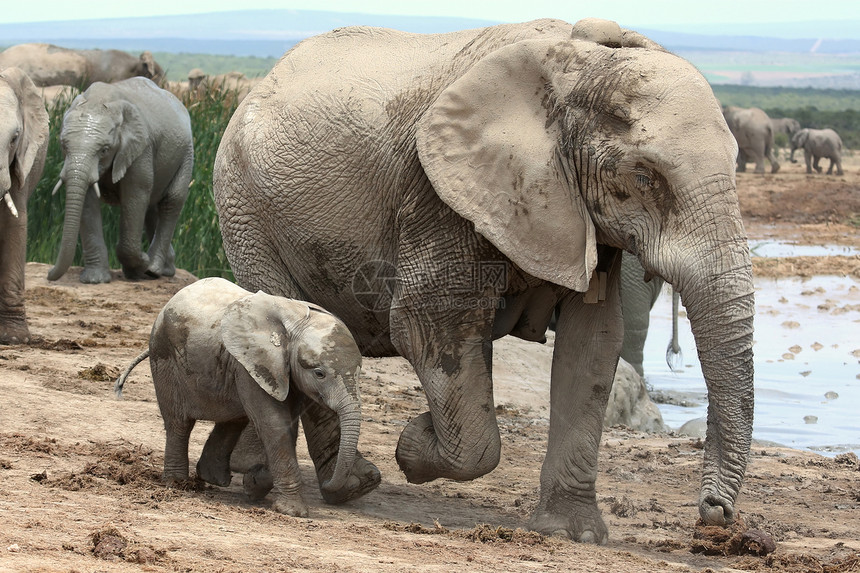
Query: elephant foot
x=419 y=459
x=257 y=482
x=716 y=512
x=216 y=472
x=160 y=268
x=14 y=332
x=292 y=504
x=579 y=520
x=94 y=275
x=365 y=478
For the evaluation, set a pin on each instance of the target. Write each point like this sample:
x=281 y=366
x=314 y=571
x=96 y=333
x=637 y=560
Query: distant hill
x=782 y=53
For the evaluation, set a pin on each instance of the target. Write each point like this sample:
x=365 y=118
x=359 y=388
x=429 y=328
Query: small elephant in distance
x=218 y=352
x=129 y=144
x=818 y=144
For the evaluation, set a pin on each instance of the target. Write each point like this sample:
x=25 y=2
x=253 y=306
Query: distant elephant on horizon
x=754 y=133
x=50 y=65
x=818 y=144
x=129 y=144
x=24 y=137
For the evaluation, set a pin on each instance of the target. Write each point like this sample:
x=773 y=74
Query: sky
x=639 y=12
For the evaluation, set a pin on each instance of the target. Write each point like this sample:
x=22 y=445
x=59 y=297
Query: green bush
x=197 y=239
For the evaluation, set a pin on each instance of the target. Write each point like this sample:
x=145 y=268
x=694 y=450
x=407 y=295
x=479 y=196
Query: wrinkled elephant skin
x=436 y=192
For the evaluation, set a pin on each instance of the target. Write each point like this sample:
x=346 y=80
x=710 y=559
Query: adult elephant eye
x=319 y=373
x=643 y=182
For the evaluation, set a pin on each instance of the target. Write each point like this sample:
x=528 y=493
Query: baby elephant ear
x=257 y=330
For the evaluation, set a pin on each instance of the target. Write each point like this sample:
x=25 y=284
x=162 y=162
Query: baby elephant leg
x=176 y=450
x=214 y=463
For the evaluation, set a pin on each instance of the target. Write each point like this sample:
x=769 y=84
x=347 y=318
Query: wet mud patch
x=109 y=544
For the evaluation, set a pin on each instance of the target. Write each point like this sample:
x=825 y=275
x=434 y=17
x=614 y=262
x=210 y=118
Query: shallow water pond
x=807 y=360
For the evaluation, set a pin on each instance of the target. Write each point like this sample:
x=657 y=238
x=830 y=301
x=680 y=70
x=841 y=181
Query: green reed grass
x=197 y=239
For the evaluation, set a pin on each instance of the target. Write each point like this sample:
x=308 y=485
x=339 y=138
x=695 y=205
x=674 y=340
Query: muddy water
x=807 y=360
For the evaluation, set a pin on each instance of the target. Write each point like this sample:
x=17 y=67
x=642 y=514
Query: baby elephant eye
x=319 y=373
x=104 y=150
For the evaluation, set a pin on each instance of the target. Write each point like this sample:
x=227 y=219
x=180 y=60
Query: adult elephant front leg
x=587 y=345
x=443 y=326
x=134 y=202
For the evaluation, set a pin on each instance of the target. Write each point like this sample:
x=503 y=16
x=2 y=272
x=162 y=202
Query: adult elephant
x=129 y=144
x=24 y=136
x=818 y=144
x=754 y=133
x=50 y=65
x=437 y=192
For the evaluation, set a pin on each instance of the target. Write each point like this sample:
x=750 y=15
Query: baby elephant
x=218 y=352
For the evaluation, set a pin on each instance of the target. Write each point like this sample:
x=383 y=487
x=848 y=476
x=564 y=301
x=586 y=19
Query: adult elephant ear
x=132 y=137
x=490 y=146
x=258 y=330
x=33 y=140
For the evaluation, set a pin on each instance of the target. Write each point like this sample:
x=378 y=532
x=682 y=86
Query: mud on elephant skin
x=218 y=352
x=24 y=134
x=50 y=65
x=495 y=173
x=128 y=144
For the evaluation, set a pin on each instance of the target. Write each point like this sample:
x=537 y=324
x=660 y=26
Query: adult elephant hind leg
x=588 y=341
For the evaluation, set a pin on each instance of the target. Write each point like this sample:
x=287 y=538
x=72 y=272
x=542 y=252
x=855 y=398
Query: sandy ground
x=79 y=470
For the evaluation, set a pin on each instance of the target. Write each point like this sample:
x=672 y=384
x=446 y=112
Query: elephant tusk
x=98 y=191
x=57 y=186
x=11 y=204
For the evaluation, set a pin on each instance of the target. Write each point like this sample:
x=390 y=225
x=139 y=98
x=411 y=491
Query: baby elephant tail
x=120 y=382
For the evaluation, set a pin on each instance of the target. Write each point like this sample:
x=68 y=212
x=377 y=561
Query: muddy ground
x=79 y=470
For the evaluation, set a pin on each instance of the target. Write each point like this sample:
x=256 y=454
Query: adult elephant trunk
x=348 y=408
x=717 y=291
x=77 y=185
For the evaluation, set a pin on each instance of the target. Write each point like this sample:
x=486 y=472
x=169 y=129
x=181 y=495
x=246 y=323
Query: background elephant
x=49 y=65
x=787 y=125
x=637 y=299
x=818 y=144
x=218 y=352
x=24 y=136
x=754 y=133
x=130 y=144
x=437 y=192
